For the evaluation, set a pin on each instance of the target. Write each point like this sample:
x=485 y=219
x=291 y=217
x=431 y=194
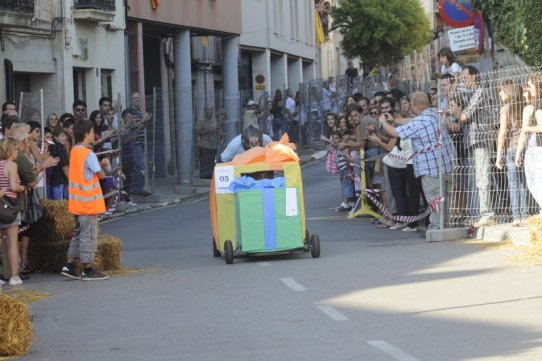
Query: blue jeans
x=516 y=187
x=370 y=166
x=348 y=185
x=483 y=180
x=138 y=172
x=56 y=192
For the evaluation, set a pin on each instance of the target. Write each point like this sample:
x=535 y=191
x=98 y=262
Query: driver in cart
x=249 y=138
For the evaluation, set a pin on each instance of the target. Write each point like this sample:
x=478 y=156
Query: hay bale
x=108 y=253
x=15 y=327
x=534 y=227
x=51 y=256
x=55 y=224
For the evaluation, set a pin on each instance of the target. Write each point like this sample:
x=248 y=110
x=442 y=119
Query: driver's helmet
x=251 y=137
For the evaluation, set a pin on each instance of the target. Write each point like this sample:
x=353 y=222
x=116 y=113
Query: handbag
x=34 y=210
x=396 y=158
x=8 y=211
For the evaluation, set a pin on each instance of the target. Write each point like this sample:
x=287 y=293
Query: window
x=79 y=84
x=107 y=81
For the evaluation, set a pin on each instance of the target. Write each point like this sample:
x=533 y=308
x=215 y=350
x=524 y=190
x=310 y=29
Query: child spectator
x=58 y=175
x=331 y=159
x=85 y=203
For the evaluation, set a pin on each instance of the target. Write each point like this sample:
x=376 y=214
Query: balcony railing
x=20 y=6
x=106 y=5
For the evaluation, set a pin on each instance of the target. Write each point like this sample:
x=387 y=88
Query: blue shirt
x=423 y=133
x=92 y=165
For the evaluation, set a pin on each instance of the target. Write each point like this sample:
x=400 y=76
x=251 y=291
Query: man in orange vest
x=85 y=202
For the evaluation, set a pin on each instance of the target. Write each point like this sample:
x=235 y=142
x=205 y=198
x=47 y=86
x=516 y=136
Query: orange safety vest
x=85 y=196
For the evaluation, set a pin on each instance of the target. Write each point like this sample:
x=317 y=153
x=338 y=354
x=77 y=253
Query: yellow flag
x=320 y=38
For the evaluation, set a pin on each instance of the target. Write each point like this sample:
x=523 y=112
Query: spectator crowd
x=468 y=153
x=34 y=166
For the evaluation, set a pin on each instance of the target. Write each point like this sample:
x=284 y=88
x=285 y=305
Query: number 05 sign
x=223 y=178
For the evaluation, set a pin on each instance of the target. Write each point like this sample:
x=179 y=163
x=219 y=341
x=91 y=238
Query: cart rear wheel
x=216 y=252
x=228 y=252
x=315 y=246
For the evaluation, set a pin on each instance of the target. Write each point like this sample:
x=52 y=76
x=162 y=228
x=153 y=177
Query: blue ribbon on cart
x=270 y=227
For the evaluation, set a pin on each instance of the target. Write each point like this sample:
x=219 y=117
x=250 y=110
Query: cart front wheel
x=228 y=252
x=315 y=246
x=216 y=252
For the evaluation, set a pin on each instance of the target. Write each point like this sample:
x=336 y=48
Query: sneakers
x=410 y=229
x=92 y=274
x=344 y=207
x=69 y=271
x=15 y=281
x=26 y=269
x=2 y=282
x=398 y=226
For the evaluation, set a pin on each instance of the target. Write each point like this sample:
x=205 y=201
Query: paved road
x=374 y=295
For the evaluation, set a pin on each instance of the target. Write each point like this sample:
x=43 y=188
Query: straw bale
x=51 y=256
x=56 y=223
x=534 y=227
x=27 y=296
x=108 y=253
x=15 y=327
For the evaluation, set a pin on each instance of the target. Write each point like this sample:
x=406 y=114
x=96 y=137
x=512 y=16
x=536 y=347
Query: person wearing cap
x=243 y=142
x=250 y=118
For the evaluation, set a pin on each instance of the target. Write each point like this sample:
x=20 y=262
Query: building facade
x=278 y=45
x=70 y=49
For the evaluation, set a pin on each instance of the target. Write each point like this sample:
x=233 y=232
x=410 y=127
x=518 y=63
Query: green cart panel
x=263 y=222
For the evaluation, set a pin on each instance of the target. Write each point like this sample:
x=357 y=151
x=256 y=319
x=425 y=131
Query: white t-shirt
x=290 y=105
x=452 y=69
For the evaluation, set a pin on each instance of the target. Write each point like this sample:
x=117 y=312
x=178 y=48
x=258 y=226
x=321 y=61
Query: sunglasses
x=374 y=113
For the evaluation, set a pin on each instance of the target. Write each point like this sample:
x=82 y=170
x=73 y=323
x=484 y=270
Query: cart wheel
x=216 y=252
x=307 y=241
x=228 y=252
x=315 y=246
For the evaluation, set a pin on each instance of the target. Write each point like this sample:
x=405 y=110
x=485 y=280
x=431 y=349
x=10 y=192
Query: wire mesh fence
x=494 y=119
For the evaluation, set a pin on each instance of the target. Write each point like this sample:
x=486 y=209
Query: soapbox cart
x=259 y=221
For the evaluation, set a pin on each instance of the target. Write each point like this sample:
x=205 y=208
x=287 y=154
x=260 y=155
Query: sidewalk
x=166 y=194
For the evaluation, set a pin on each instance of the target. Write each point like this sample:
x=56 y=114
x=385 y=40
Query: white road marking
x=264 y=264
x=391 y=350
x=290 y=282
x=332 y=313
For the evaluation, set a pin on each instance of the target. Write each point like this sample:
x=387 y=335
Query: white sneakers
x=410 y=229
x=398 y=226
x=15 y=281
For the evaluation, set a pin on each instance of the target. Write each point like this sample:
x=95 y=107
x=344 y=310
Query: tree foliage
x=381 y=31
x=517 y=24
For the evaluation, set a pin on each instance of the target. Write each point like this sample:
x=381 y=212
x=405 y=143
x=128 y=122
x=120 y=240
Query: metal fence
x=496 y=176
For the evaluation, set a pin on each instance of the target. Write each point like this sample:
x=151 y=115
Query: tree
x=381 y=31
x=517 y=25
